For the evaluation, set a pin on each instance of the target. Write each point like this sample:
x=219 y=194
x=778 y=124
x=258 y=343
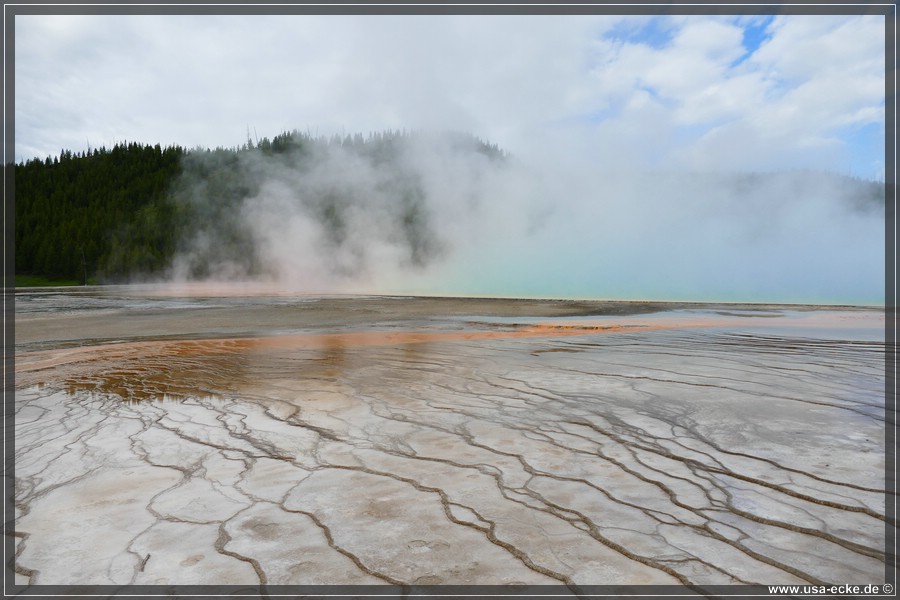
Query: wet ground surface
x=168 y=439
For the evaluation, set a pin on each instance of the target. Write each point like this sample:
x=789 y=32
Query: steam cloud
x=345 y=213
x=449 y=214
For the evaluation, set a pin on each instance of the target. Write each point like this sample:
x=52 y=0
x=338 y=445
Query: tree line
x=96 y=215
x=123 y=213
x=116 y=214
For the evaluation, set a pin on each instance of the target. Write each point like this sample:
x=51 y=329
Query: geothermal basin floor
x=292 y=440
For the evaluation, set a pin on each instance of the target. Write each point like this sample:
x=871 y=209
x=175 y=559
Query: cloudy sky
x=697 y=92
x=574 y=94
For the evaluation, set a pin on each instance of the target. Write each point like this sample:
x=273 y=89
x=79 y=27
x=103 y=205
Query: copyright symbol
x=888 y=588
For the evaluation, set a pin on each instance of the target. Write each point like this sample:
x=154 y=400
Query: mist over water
x=447 y=214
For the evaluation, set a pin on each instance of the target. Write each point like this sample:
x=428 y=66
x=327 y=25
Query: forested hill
x=96 y=214
x=338 y=205
x=124 y=213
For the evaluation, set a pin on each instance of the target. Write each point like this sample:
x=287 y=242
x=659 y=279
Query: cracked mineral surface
x=286 y=439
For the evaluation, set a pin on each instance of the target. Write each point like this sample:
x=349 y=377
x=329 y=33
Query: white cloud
x=802 y=48
x=782 y=105
x=522 y=81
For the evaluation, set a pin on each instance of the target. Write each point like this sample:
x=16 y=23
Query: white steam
x=443 y=218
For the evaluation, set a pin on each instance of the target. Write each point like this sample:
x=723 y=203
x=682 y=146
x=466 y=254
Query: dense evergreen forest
x=97 y=214
x=127 y=213
x=110 y=215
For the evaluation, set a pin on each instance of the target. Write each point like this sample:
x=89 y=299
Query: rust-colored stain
x=44 y=359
